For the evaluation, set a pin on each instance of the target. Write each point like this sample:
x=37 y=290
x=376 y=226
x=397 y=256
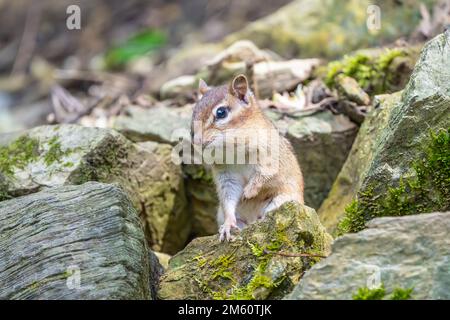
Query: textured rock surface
x=51 y=237
x=349 y=88
x=350 y=177
x=250 y=267
x=408 y=166
x=155 y=124
x=163 y=259
x=402 y=252
x=155 y=272
x=321 y=142
x=68 y=154
x=203 y=200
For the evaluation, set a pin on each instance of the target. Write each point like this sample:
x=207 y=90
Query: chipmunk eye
x=221 y=112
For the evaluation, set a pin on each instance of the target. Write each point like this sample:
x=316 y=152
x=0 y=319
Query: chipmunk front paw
x=225 y=230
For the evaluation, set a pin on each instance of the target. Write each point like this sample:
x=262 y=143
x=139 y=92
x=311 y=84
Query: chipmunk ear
x=239 y=87
x=202 y=88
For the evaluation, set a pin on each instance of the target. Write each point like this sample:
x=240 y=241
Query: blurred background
x=131 y=48
x=119 y=36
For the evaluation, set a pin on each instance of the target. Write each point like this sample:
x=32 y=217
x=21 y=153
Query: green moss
x=198 y=172
x=222 y=266
x=138 y=45
x=18 y=154
x=370 y=294
x=103 y=164
x=259 y=279
x=55 y=153
x=25 y=150
x=380 y=294
x=428 y=190
x=371 y=73
x=249 y=291
x=4 y=195
x=401 y=294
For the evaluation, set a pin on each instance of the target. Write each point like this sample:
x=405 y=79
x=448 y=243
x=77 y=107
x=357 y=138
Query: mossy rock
x=409 y=159
x=330 y=28
x=375 y=70
x=255 y=265
x=394 y=258
x=51 y=156
x=349 y=179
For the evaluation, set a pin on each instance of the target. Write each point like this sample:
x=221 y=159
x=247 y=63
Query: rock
x=155 y=124
x=163 y=261
x=298 y=29
x=374 y=70
x=156 y=271
x=348 y=87
x=321 y=142
x=253 y=265
x=267 y=75
x=68 y=154
x=156 y=183
x=351 y=176
x=203 y=200
x=181 y=88
x=73 y=242
x=280 y=76
x=408 y=162
x=401 y=252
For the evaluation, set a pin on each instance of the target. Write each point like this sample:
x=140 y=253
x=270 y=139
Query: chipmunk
x=246 y=191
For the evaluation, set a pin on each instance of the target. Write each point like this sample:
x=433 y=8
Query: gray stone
x=321 y=143
x=158 y=124
x=50 y=238
x=50 y=156
x=401 y=252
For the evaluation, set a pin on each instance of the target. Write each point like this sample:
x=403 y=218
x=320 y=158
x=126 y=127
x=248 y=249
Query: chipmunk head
x=221 y=110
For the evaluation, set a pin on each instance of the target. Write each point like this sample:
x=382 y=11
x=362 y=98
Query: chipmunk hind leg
x=278 y=201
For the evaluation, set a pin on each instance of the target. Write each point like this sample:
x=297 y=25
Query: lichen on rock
x=259 y=264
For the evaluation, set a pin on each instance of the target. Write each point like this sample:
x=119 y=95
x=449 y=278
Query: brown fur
x=263 y=188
